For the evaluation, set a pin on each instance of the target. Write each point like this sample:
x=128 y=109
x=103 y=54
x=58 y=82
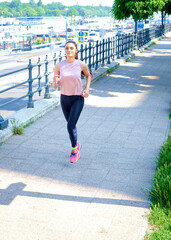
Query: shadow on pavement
x=16 y=189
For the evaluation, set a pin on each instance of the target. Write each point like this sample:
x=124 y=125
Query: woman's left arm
x=86 y=71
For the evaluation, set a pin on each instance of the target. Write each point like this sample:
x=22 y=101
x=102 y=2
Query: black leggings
x=72 y=107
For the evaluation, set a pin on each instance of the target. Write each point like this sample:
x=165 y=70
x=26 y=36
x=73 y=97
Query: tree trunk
x=162 y=18
x=136 y=26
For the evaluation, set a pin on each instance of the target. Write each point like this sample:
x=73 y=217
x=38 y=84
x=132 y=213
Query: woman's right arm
x=56 y=75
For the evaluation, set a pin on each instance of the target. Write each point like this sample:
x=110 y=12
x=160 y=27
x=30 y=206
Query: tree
x=19 y=9
x=167 y=8
x=138 y=9
x=40 y=11
x=123 y=9
x=57 y=12
x=15 y=3
x=29 y=12
x=32 y=2
x=72 y=12
x=6 y=13
x=58 y=5
x=81 y=12
x=40 y=4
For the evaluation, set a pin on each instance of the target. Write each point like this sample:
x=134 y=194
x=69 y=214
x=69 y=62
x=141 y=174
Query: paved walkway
x=122 y=127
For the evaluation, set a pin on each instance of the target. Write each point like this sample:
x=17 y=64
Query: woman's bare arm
x=86 y=71
x=56 y=75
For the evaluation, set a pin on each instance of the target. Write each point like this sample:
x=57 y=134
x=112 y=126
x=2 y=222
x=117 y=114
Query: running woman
x=69 y=73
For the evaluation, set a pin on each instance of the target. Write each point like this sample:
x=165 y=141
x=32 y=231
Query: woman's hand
x=85 y=93
x=55 y=81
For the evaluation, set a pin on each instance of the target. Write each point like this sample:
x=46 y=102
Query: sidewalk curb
x=43 y=106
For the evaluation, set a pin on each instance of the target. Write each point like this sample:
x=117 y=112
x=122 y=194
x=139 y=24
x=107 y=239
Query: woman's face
x=70 y=50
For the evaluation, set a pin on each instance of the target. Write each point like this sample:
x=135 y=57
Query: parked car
x=93 y=36
x=75 y=39
x=62 y=45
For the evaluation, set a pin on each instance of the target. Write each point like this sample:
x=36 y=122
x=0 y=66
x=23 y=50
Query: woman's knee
x=70 y=126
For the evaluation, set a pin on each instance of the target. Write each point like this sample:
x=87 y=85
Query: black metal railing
x=95 y=54
x=31 y=79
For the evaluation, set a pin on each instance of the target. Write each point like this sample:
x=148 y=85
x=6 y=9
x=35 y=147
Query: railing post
x=112 y=50
x=135 y=40
x=145 y=37
x=126 y=44
x=60 y=56
x=54 y=59
x=93 y=63
x=144 y=33
x=108 y=59
x=122 y=53
x=81 y=51
x=142 y=38
x=85 y=49
x=103 y=50
x=97 y=54
x=3 y=123
x=100 y=52
x=118 y=46
x=47 y=92
x=148 y=34
x=115 y=48
x=106 y=49
x=39 y=75
x=30 y=103
x=132 y=41
x=89 y=57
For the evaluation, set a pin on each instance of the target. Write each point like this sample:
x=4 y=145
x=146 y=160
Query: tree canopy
x=138 y=9
x=18 y=9
x=167 y=7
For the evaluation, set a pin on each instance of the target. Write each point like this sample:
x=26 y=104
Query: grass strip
x=160 y=212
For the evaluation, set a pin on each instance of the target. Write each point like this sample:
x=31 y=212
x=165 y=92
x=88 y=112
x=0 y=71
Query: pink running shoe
x=75 y=154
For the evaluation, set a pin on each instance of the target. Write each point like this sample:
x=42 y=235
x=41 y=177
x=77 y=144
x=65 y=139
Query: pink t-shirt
x=70 y=78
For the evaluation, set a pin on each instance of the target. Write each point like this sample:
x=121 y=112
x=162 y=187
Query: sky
x=73 y=2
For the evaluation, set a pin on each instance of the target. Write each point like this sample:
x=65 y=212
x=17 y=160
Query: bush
x=40 y=41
